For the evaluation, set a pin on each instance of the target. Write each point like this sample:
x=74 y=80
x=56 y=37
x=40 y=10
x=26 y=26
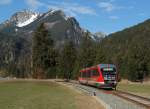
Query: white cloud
x=5 y=2
x=141 y=14
x=108 y=6
x=114 y=17
x=72 y=8
x=130 y=7
x=34 y=4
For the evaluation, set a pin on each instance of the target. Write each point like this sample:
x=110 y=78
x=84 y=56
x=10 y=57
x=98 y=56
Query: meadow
x=35 y=95
x=135 y=88
x=26 y=94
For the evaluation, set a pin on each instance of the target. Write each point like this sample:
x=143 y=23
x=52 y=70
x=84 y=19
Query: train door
x=88 y=76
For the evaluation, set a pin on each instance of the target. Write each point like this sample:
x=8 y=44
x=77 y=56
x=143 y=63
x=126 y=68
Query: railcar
x=101 y=76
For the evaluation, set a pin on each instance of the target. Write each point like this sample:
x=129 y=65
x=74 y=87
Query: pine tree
x=100 y=56
x=137 y=62
x=42 y=52
x=86 y=54
x=86 y=51
x=67 y=59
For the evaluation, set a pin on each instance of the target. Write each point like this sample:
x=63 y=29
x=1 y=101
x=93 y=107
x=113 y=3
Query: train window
x=80 y=74
x=108 y=71
x=95 y=73
x=88 y=74
x=83 y=74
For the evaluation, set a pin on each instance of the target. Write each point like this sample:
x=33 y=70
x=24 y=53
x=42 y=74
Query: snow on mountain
x=50 y=12
x=100 y=34
x=22 y=18
x=62 y=27
x=27 y=22
x=53 y=11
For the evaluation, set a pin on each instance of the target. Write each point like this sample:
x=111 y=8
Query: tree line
x=130 y=54
x=51 y=62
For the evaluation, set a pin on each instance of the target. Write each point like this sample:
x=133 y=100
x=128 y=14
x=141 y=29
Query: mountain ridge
x=28 y=21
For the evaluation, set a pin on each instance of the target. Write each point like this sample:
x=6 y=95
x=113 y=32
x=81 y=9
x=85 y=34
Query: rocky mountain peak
x=23 y=18
x=61 y=26
x=100 y=34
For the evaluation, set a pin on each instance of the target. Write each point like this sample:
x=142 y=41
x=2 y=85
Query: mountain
x=23 y=18
x=129 y=49
x=23 y=24
x=99 y=35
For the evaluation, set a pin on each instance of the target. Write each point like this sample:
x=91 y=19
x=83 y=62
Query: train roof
x=106 y=65
x=100 y=65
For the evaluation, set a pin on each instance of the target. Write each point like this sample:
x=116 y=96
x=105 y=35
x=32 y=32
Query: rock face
x=97 y=36
x=19 y=19
x=24 y=18
x=23 y=24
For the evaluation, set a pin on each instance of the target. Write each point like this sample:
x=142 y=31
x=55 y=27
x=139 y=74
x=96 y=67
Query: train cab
x=101 y=76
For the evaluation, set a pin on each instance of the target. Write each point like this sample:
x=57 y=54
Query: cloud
x=114 y=17
x=72 y=8
x=34 y=4
x=5 y=2
x=141 y=14
x=69 y=8
x=108 y=6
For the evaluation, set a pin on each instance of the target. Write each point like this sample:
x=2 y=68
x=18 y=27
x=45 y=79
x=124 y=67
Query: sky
x=106 y=16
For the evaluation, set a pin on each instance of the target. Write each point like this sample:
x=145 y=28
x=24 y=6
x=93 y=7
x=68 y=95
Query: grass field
x=35 y=95
x=42 y=95
x=139 y=89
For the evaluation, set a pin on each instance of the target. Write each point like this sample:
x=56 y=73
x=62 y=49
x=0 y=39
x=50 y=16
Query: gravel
x=108 y=100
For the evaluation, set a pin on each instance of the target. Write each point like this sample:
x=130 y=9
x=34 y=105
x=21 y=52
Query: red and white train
x=101 y=76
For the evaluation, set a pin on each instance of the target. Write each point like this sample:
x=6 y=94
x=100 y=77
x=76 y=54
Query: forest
x=128 y=49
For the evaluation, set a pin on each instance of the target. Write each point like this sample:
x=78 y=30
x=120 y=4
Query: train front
x=109 y=75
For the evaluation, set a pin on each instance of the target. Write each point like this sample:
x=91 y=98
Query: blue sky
x=95 y=15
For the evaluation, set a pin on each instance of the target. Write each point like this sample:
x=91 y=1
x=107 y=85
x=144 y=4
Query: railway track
x=133 y=98
x=142 y=101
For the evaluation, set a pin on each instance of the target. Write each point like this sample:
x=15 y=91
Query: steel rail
x=133 y=98
x=139 y=100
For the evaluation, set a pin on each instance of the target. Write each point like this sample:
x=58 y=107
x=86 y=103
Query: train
x=101 y=76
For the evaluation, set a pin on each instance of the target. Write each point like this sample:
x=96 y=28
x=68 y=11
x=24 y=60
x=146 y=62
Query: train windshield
x=108 y=71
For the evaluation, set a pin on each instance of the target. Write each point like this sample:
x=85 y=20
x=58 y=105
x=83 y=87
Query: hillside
x=129 y=49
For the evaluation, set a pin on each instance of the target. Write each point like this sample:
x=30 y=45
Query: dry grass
x=43 y=95
x=87 y=102
x=84 y=101
x=135 y=88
